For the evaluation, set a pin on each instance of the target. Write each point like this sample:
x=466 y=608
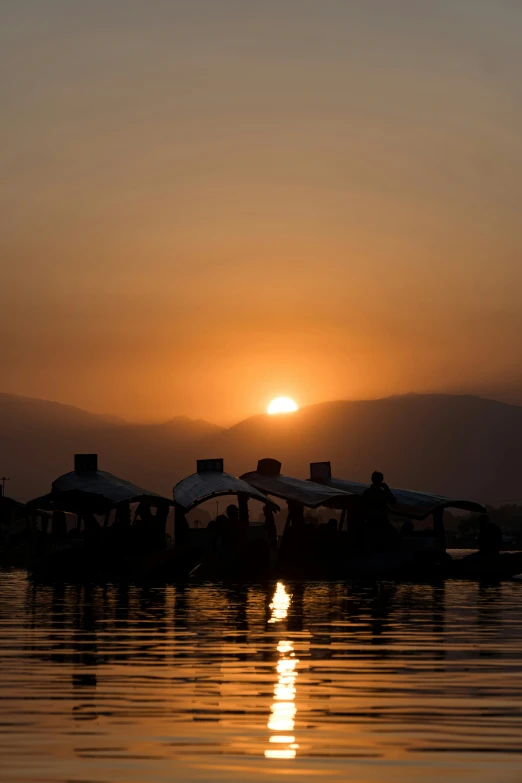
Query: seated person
x=331 y=527
x=233 y=515
x=225 y=530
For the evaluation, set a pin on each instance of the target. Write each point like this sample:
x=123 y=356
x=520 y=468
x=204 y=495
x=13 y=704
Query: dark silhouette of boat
x=123 y=549
x=120 y=531
x=431 y=559
x=410 y=504
x=327 y=552
x=235 y=550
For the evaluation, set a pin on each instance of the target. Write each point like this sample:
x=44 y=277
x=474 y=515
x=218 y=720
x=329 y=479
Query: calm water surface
x=276 y=682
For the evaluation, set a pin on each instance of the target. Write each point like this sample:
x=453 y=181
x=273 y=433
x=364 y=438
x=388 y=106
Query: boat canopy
x=269 y=479
x=210 y=481
x=86 y=486
x=417 y=505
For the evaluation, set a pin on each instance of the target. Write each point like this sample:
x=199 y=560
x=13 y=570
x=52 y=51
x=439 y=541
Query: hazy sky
x=205 y=204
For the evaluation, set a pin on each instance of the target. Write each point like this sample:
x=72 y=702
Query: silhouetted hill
x=459 y=445
x=38 y=439
x=190 y=428
x=23 y=414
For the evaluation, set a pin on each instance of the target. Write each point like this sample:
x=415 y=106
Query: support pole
x=242 y=501
x=270 y=525
x=287 y=534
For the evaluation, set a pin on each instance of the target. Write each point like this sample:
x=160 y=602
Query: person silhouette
x=233 y=514
x=376 y=500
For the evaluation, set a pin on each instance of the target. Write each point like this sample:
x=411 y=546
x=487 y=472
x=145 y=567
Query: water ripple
x=109 y=684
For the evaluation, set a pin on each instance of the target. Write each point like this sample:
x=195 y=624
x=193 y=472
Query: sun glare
x=282 y=405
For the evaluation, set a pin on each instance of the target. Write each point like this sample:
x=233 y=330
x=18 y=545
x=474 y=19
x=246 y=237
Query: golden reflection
x=283 y=710
x=280 y=604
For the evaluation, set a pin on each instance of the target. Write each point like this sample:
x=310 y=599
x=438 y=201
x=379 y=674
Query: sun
x=282 y=405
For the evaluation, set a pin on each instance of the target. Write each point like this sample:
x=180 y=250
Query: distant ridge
x=192 y=427
x=48 y=411
x=449 y=444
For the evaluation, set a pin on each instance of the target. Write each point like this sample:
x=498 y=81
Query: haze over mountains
x=450 y=444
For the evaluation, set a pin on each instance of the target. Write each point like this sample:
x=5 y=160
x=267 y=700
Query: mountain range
x=449 y=444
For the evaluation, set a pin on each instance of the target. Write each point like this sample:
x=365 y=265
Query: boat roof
x=108 y=486
x=268 y=478
x=196 y=489
x=409 y=502
x=95 y=488
x=210 y=481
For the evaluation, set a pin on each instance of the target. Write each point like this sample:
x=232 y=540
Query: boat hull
x=81 y=564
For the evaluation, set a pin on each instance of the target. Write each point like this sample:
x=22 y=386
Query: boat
x=124 y=549
x=250 y=551
x=431 y=557
x=410 y=503
x=325 y=553
x=128 y=549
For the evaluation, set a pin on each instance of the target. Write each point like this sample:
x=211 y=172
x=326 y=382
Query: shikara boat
x=249 y=552
x=325 y=553
x=415 y=505
x=431 y=558
x=123 y=549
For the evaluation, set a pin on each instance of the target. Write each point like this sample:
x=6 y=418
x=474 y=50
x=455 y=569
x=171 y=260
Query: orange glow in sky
x=199 y=208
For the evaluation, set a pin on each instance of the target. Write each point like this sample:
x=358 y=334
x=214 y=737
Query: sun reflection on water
x=280 y=604
x=283 y=710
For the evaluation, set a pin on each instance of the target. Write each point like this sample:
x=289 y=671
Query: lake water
x=318 y=682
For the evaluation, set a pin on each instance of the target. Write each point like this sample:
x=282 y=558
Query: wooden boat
x=119 y=551
x=307 y=553
x=249 y=553
x=410 y=503
x=138 y=551
x=431 y=559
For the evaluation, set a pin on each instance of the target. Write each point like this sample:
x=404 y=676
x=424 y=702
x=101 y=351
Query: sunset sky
x=206 y=204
